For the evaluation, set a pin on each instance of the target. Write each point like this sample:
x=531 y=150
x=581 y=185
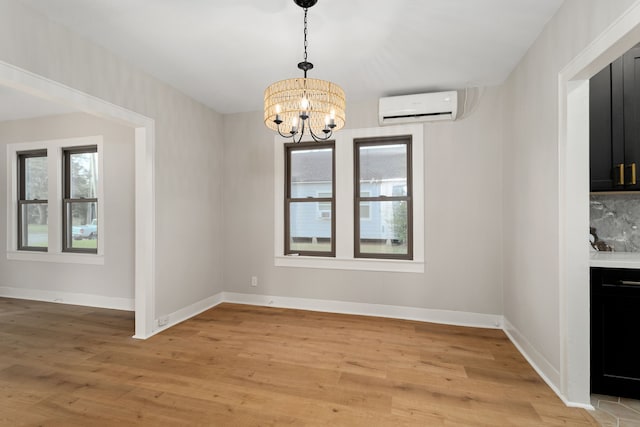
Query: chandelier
x=297 y=106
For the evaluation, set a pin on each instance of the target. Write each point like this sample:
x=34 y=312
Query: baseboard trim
x=449 y=317
x=539 y=363
x=165 y=322
x=74 y=298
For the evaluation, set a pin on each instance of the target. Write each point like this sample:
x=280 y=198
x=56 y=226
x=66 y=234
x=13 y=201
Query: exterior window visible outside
x=309 y=199
x=324 y=208
x=80 y=200
x=383 y=191
x=33 y=206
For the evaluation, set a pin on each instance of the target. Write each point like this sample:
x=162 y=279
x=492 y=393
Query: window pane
x=308 y=232
x=383 y=170
x=36 y=180
x=35 y=231
x=311 y=172
x=386 y=232
x=84 y=175
x=84 y=225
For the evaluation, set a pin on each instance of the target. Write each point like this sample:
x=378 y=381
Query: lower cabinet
x=615 y=332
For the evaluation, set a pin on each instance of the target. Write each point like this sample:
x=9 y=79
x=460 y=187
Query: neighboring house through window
x=310 y=202
x=383 y=167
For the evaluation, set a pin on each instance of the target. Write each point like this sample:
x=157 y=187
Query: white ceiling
x=225 y=52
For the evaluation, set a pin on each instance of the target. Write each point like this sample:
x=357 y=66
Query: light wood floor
x=238 y=365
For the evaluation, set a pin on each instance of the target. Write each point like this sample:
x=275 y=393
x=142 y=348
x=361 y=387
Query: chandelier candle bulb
x=278 y=120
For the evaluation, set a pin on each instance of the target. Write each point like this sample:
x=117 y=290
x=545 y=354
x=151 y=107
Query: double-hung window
x=80 y=199
x=383 y=194
x=309 y=199
x=33 y=206
x=55 y=199
x=355 y=203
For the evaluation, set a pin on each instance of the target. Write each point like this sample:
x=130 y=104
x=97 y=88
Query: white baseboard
x=539 y=363
x=74 y=298
x=172 y=319
x=448 y=317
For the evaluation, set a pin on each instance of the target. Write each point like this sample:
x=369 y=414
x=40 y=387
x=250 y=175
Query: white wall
x=531 y=184
x=114 y=279
x=462 y=218
x=188 y=157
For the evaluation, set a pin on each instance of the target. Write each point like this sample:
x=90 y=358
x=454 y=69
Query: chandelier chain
x=306 y=43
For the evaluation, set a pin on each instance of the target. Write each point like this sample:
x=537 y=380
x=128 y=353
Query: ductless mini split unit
x=423 y=107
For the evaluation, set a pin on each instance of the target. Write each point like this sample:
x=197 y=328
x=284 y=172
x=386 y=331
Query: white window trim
x=54 y=166
x=344 y=259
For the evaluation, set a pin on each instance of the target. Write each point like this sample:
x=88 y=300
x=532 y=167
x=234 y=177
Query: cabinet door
x=632 y=118
x=615 y=321
x=606 y=138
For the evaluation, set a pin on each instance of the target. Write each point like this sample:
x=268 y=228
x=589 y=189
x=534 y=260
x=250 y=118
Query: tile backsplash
x=616 y=219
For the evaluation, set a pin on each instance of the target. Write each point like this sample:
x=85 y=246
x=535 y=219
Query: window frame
x=67 y=200
x=288 y=200
x=22 y=200
x=357 y=198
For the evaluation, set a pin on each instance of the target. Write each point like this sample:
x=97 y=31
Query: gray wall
x=114 y=278
x=463 y=189
x=531 y=165
x=188 y=157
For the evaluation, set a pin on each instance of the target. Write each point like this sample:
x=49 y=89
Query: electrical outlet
x=163 y=320
x=254 y=281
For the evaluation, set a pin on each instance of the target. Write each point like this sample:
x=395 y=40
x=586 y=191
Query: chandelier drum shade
x=285 y=98
x=298 y=106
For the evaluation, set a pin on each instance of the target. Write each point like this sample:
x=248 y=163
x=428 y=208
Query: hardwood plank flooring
x=237 y=365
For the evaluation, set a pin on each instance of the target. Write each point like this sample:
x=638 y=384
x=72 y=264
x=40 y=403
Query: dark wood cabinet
x=614 y=125
x=615 y=328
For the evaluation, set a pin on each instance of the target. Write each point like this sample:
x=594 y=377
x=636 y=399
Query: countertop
x=615 y=259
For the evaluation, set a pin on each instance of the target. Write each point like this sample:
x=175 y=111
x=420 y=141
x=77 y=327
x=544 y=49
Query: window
x=365 y=207
x=80 y=200
x=33 y=206
x=383 y=190
x=384 y=217
x=54 y=203
x=324 y=208
x=310 y=201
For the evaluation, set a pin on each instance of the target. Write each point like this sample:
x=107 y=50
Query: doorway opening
x=144 y=220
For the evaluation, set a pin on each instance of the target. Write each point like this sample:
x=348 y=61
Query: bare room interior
x=314 y=212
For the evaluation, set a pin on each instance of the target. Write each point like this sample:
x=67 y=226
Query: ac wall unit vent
x=423 y=107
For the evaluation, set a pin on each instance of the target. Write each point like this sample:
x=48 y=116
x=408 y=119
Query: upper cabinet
x=614 y=125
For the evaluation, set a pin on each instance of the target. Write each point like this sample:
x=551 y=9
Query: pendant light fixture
x=299 y=106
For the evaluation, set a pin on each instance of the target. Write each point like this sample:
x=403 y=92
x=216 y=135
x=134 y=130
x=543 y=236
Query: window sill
x=62 y=258
x=364 y=264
